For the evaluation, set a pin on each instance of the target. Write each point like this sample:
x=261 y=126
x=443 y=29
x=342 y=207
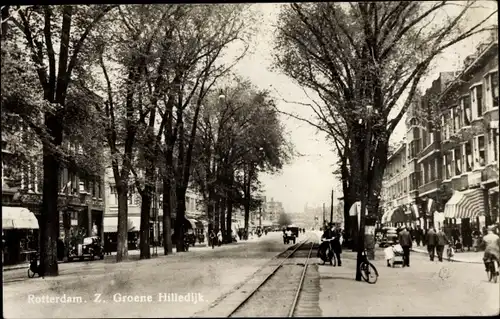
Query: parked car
x=90 y=248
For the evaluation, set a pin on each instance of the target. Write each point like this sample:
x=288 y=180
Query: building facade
x=469 y=122
x=80 y=201
x=395 y=197
x=452 y=138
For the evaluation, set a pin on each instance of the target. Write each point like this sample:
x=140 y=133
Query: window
x=449 y=161
x=405 y=186
x=492 y=86
x=456 y=118
x=480 y=102
x=494 y=143
x=468 y=157
x=422 y=170
x=432 y=175
x=480 y=152
x=131 y=198
x=467 y=110
x=458 y=163
x=99 y=190
x=113 y=189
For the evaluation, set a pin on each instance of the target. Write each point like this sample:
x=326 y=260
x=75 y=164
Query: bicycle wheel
x=31 y=273
x=368 y=272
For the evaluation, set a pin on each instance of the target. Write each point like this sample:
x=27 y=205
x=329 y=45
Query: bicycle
x=367 y=269
x=492 y=269
x=34 y=267
x=329 y=254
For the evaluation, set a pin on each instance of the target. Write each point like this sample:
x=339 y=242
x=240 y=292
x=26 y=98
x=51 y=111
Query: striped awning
x=414 y=210
x=466 y=204
x=398 y=216
x=383 y=219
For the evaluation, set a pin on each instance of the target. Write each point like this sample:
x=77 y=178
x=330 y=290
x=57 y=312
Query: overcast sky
x=308 y=179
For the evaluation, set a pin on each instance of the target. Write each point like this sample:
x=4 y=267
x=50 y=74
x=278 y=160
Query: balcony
x=429 y=187
x=429 y=150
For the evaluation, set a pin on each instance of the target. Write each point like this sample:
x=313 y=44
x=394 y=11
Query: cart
x=394 y=255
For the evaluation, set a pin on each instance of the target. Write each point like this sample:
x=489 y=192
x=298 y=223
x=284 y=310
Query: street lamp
x=364 y=197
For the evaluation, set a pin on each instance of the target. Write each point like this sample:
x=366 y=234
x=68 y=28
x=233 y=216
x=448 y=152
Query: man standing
x=431 y=240
x=419 y=234
x=441 y=241
x=405 y=241
x=337 y=244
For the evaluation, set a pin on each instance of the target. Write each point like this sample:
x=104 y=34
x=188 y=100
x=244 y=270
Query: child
x=389 y=255
x=450 y=252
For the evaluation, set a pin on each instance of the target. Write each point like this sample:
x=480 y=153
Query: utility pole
x=331 y=208
x=324 y=215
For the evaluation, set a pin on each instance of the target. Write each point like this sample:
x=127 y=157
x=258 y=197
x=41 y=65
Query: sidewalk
x=135 y=253
x=465 y=257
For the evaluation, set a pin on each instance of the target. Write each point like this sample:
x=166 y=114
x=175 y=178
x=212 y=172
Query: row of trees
x=149 y=86
x=354 y=55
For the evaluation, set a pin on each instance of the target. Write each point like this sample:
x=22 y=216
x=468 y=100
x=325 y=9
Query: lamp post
x=364 y=197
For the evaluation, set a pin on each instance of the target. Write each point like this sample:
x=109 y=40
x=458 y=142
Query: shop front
x=465 y=211
x=111 y=232
x=20 y=235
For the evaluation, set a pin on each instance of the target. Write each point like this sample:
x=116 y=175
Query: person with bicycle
x=328 y=234
x=492 y=250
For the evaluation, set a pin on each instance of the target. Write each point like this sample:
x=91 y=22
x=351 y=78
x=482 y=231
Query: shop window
x=480 y=152
x=467 y=110
x=468 y=157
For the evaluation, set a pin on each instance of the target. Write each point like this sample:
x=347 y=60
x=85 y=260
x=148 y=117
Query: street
x=201 y=277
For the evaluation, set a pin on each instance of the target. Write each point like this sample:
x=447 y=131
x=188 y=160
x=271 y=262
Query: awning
x=386 y=217
x=466 y=204
x=18 y=218
x=194 y=223
x=356 y=209
x=414 y=210
x=398 y=216
x=111 y=224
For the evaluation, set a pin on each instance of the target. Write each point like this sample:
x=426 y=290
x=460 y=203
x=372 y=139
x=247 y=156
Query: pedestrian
x=418 y=235
x=405 y=241
x=431 y=240
x=219 y=237
x=337 y=244
x=212 y=238
x=467 y=238
x=441 y=241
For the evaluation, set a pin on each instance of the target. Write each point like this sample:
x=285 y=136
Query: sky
x=308 y=179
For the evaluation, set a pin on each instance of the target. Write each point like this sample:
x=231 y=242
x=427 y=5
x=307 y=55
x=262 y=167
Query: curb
x=452 y=259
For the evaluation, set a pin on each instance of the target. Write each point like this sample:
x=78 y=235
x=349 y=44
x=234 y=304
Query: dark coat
x=441 y=239
x=431 y=238
x=328 y=234
x=405 y=238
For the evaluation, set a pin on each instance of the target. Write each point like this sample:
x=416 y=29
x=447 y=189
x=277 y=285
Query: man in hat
x=431 y=241
x=329 y=233
x=492 y=242
x=441 y=241
x=405 y=241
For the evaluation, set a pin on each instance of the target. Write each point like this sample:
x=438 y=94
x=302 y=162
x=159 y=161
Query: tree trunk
x=167 y=215
x=49 y=221
x=145 y=218
x=122 y=245
x=229 y=219
x=217 y=215
x=180 y=217
x=247 y=183
x=222 y=209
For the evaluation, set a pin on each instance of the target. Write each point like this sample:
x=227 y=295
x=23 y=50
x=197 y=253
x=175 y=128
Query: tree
x=129 y=41
x=37 y=25
x=238 y=132
x=364 y=54
x=284 y=220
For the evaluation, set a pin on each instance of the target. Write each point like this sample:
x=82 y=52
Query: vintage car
x=290 y=234
x=90 y=248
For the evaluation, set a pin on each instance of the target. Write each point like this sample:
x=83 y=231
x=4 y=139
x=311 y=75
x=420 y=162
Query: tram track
x=285 y=287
